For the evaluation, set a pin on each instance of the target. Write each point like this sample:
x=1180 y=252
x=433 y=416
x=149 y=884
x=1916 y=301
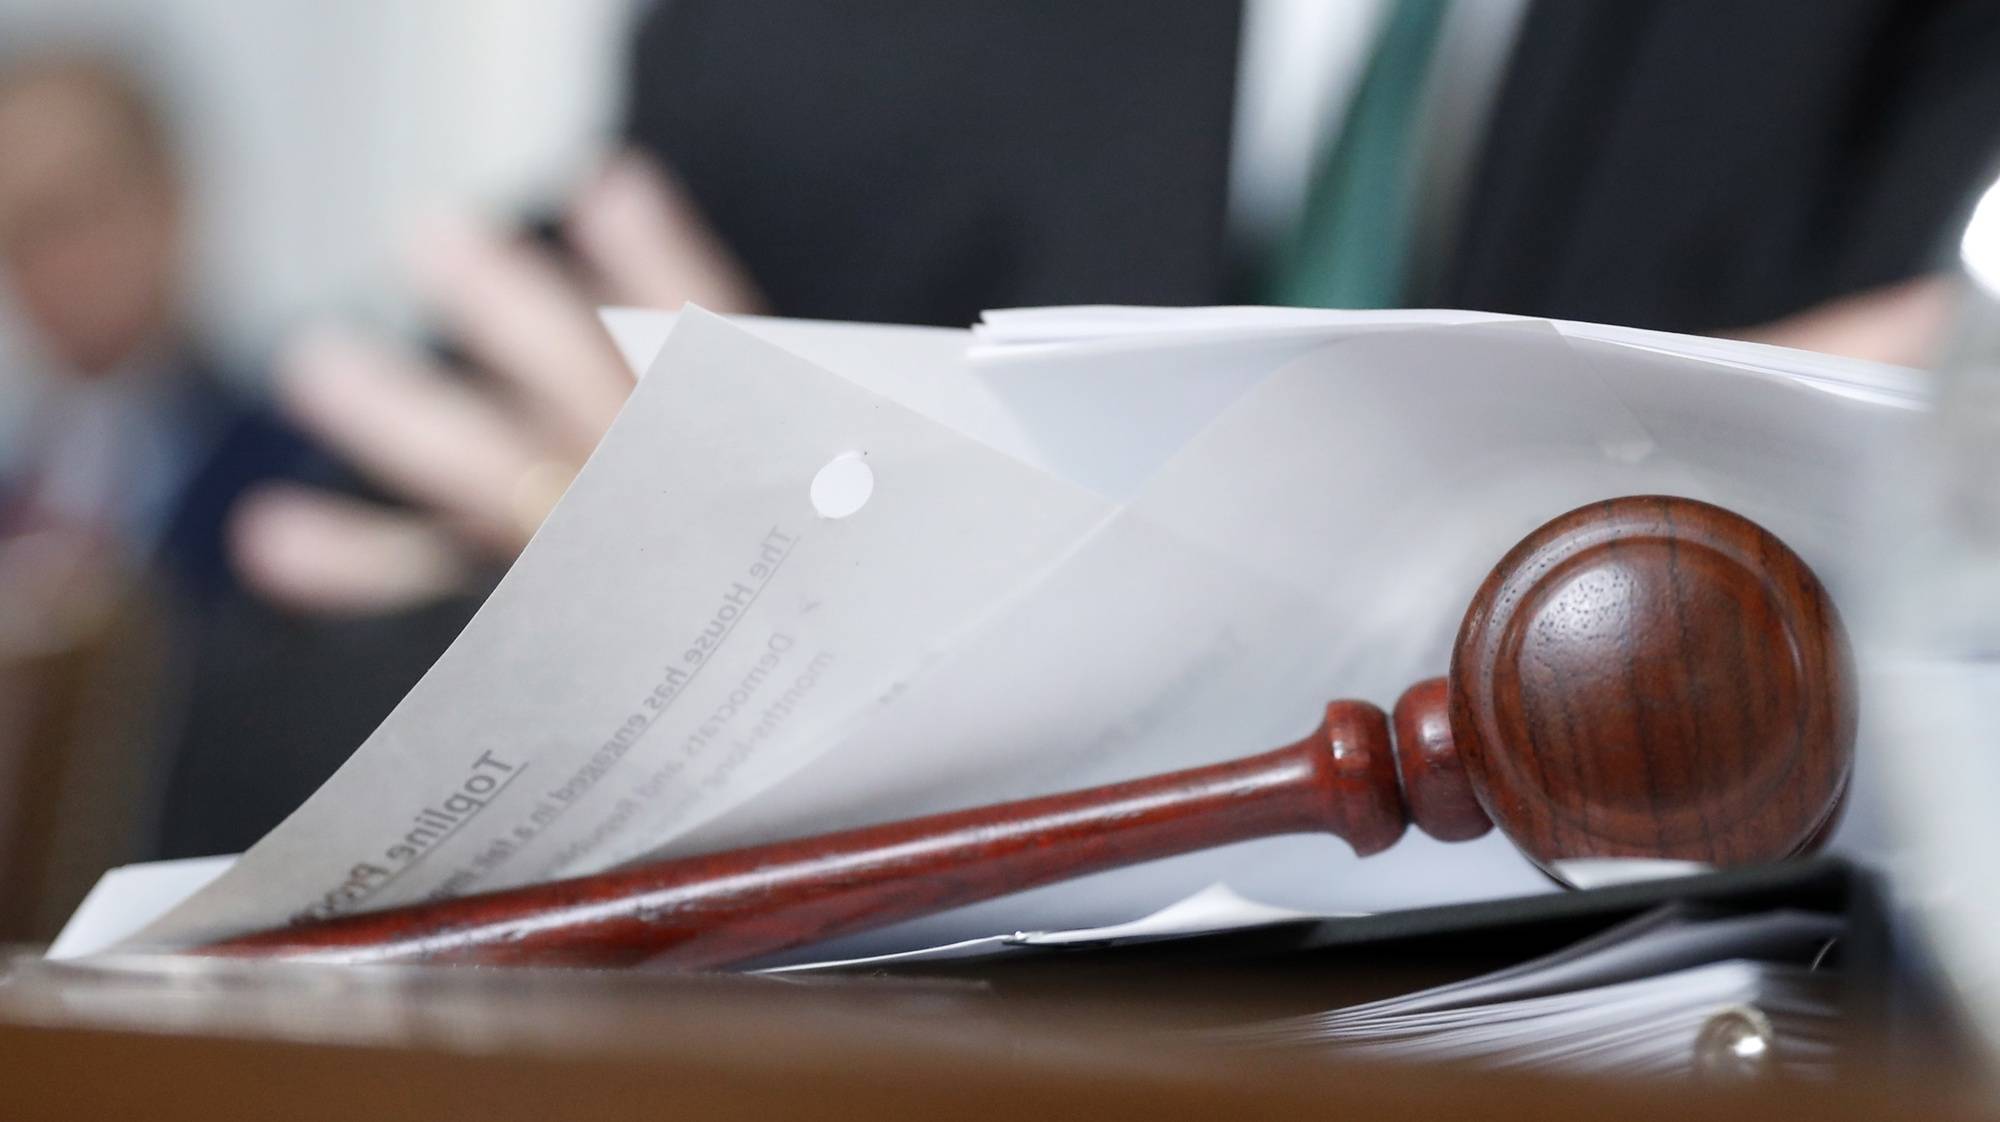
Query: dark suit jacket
x=249 y=708
x=1680 y=164
x=266 y=703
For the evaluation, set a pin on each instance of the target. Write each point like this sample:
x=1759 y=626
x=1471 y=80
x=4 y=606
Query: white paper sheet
x=1215 y=909
x=126 y=899
x=1115 y=558
x=1333 y=521
x=683 y=630
x=1631 y=1000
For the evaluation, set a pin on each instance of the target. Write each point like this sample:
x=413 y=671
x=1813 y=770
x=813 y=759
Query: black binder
x=1886 y=1003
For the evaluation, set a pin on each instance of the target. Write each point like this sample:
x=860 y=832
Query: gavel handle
x=713 y=910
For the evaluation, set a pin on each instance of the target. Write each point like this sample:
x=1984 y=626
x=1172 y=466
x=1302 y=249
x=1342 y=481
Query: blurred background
x=314 y=136
x=185 y=187
x=297 y=329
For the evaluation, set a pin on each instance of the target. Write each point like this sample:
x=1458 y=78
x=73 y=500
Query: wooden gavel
x=1643 y=677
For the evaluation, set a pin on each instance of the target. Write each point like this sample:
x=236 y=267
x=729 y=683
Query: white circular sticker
x=842 y=486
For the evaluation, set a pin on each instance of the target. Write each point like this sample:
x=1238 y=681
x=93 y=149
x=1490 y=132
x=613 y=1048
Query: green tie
x=1354 y=234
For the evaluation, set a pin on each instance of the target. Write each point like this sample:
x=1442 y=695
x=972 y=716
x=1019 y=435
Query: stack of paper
x=1645 y=998
x=820 y=575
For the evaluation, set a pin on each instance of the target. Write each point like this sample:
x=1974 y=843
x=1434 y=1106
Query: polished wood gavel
x=1643 y=677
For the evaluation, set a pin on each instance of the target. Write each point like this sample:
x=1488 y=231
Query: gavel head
x=1644 y=677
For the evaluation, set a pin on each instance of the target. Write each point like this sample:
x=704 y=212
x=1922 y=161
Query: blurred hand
x=1899 y=323
x=481 y=459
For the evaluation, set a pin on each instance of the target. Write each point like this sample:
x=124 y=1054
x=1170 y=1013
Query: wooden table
x=192 y=1040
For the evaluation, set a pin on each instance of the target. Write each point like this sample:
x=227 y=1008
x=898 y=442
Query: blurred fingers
x=644 y=235
x=1902 y=323
x=432 y=440
x=522 y=318
x=328 y=554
